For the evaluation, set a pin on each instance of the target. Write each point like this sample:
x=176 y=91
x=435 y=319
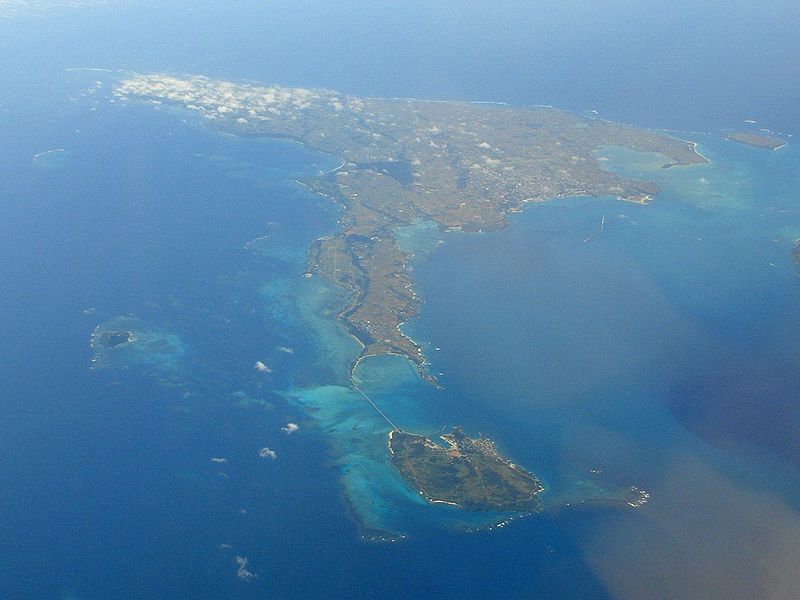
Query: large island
x=464 y=166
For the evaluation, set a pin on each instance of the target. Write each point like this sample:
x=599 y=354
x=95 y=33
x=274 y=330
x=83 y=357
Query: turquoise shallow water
x=661 y=353
x=596 y=362
x=658 y=354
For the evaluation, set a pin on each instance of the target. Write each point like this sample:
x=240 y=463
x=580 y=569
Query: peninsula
x=468 y=473
x=464 y=166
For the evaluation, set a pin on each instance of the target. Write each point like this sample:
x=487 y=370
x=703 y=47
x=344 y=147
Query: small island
x=110 y=339
x=468 y=473
x=757 y=140
x=796 y=251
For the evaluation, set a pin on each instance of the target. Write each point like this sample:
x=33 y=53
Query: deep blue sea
x=660 y=354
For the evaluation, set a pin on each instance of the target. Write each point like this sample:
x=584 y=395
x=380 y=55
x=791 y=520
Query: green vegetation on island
x=757 y=140
x=469 y=473
x=110 y=339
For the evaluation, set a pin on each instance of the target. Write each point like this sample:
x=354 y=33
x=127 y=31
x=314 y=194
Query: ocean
x=659 y=354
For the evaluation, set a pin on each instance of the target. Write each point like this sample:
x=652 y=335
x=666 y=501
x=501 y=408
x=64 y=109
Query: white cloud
x=10 y=8
x=242 y=572
x=290 y=428
x=261 y=367
x=266 y=452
